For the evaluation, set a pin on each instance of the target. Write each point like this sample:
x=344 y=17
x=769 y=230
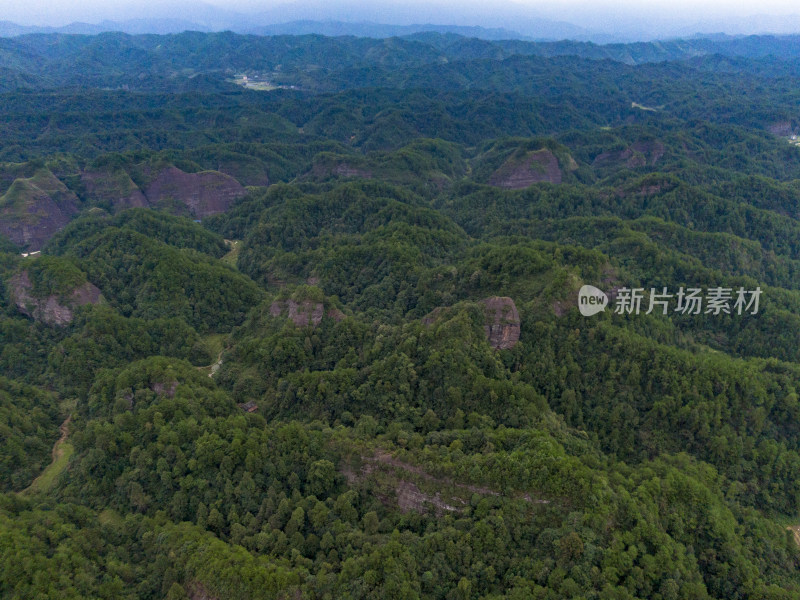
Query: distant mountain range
x=600 y=22
x=133 y=27
x=303 y=27
x=378 y=30
x=527 y=28
x=210 y=61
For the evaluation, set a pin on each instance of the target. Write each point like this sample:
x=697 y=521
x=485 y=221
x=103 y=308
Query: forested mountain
x=316 y=333
x=192 y=61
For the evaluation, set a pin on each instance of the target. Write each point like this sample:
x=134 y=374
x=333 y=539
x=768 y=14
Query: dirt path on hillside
x=213 y=367
x=217 y=364
x=55 y=453
x=64 y=429
x=795 y=529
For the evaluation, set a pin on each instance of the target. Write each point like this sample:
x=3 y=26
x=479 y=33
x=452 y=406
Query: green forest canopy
x=303 y=394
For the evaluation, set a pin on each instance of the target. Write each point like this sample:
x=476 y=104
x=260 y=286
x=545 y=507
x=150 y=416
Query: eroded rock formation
x=33 y=209
x=638 y=154
x=204 y=194
x=304 y=313
x=115 y=187
x=502 y=322
x=165 y=388
x=533 y=167
x=52 y=310
x=323 y=170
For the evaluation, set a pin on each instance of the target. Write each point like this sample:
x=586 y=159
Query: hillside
x=329 y=341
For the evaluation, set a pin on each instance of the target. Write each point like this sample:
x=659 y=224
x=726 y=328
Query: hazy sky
x=619 y=15
x=704 y=7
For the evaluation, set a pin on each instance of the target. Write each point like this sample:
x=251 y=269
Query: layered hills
x=325 y=342
x=33 y=209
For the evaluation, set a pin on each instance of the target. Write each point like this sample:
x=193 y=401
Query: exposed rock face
x=781 y=128
x=652 y=150
x=304 y=313
x=85 y=294
x=410 y=497
x=345 y=170
x=204 y=194
x=113 y=186
x=324 y=170
x=639 y=154
x=165 y=388
x=50 y=310
x=335 y=314
x=431 y=317
x=533 y=167
x=410 y=488
x=276 y=308
x=502 y=322
x=627 y=157
x=33 y=209
x=647 y=187
x=197 y=591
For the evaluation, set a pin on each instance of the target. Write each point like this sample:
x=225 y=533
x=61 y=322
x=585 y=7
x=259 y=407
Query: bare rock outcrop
x=638 y=154
x=781 y=128
x=115 y=187
x=52 y=310
x=410 y=488
x=204 y=194
x=323 y=170
x=345 y=170
x=163 y=388
x=652 y=150
x=335 y=314
x=410 y=497
x=502 y=322
x=534 y=167
x=305 y=312
x=33 y=209
x=197 y=591
x=431 y=317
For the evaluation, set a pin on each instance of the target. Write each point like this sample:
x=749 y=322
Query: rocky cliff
x=305 y=312
x=325 y=169
x=203 y=194
x=502 y=322
x=52 y=309
x=33 y=209
x=114 y=187
x=532 y=167
x=638 y=154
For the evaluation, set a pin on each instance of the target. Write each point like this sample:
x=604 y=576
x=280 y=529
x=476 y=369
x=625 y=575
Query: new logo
x=591 y=300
